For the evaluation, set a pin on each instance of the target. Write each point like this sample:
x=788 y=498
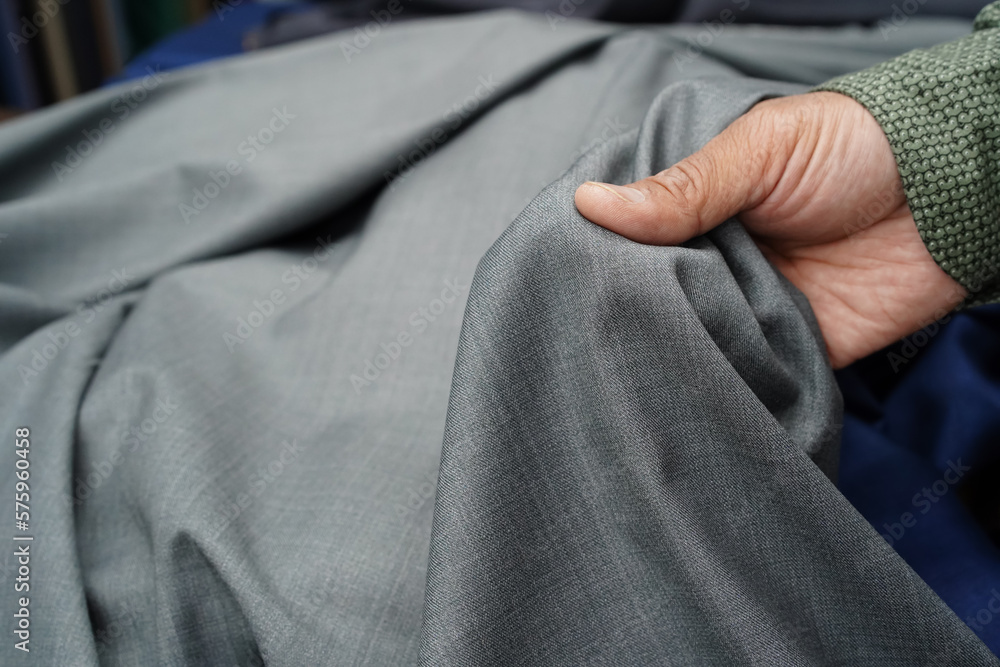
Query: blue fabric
x=219 y=34
x=917 y=415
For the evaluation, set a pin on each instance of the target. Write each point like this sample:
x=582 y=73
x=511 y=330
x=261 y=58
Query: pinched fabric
x=939 y=109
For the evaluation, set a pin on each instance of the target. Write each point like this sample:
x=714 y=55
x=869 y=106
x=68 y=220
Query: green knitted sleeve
x=940 y=109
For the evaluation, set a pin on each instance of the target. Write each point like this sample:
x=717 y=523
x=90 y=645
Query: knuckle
x=685 y=186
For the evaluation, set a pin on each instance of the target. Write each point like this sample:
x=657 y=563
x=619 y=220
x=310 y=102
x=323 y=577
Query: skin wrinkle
x=828 y=293
x=685 y=192
x=884 y=318
x=828 y=166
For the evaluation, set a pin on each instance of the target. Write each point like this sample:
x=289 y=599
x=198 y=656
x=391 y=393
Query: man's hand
x=814 y=181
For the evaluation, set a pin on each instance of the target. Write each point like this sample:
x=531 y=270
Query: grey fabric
x=640 y=454
x=237 y=408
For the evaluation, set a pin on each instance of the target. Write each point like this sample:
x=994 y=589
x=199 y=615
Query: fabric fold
x=639 y=449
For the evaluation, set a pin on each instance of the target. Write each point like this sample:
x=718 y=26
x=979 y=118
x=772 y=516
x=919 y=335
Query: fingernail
x=630 y=195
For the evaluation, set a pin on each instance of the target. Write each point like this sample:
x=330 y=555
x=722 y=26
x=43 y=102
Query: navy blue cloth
x=921 y=458
x=221 y=33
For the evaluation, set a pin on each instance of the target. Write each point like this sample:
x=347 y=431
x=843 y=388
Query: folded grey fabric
x=230 y=307
x=640 y=451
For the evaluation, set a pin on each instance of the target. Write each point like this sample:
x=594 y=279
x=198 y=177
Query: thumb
x=693 y=196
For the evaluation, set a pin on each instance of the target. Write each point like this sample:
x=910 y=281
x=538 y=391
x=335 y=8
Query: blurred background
x=57 y=49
